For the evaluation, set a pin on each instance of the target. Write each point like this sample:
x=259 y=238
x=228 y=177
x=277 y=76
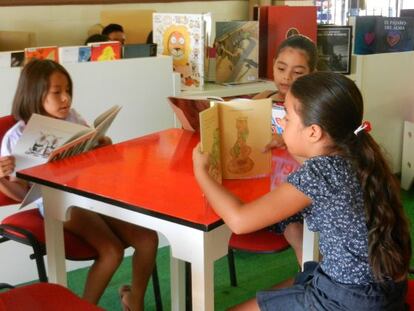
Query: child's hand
x=276 y=142
x=200 y=160
x=7 y=165
x=104 y=141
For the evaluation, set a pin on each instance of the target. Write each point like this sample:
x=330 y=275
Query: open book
x=187 y=109
x=45 y=139
x=234 y=134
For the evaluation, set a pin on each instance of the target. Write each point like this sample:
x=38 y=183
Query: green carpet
x=254 y=272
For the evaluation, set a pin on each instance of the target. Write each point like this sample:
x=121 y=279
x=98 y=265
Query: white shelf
x=212 y=89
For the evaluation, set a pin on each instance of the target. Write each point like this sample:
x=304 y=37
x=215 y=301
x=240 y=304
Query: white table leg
x=202 y=281
x=177 y=272
x=54 y=241
x=310 y=245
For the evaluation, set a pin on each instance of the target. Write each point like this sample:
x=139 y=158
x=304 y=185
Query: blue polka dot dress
x=343 y=279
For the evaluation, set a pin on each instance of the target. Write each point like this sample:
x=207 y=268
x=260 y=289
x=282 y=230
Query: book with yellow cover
x=234 y=134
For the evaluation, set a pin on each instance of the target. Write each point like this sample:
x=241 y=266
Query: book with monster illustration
x=184 y=37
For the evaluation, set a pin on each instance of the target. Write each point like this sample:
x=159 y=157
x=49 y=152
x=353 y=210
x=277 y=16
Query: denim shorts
x=314 y=290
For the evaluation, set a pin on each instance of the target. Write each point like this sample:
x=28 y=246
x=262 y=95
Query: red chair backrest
x=6 y=123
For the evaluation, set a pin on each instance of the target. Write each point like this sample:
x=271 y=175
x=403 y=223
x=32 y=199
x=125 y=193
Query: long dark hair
x=334 y=102
x=33 y=86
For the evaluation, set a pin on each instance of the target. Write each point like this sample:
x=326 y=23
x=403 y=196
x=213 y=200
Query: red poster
x=282 y=22
x=47 y=52
x=103 y=51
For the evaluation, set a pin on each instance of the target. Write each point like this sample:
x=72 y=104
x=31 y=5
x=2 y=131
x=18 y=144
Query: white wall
x=68 y=24
x=386 y=82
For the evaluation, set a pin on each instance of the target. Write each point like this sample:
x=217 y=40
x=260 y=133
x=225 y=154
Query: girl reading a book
x=345 y=191
x=296 y=56
x=45 y=87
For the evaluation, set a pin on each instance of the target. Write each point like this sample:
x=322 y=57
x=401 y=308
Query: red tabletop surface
x=152 y=174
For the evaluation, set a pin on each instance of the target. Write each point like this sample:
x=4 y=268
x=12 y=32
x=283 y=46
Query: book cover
x=334 y=48
x=394 y=34
x=234 y=134
x=74 y=54
x=45 y=138
x=139 y=50
x=377 y=34
x=104 y=51
x=187 y=110
x=11 y=59
x=283 y=22
x=46 y=52
x=278 y=113
x=183 y=36
x=237 y=48
x=17 y=59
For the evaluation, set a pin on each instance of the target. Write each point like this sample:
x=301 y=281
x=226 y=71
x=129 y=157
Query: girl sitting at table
x=344 y=189
x=296 y=56
x=45 y=87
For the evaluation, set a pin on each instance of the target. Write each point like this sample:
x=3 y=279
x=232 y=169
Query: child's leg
x=93 y=229
x=294 y=235
x=145 y=243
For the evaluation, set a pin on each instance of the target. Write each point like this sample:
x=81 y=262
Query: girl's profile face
x=293 y=128
x=57 y=101
x=290 y=64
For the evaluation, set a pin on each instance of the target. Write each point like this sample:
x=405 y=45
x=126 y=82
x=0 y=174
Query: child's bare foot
x=124 y=291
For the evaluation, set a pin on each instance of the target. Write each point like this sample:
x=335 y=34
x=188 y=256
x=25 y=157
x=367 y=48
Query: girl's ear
x=315 y=133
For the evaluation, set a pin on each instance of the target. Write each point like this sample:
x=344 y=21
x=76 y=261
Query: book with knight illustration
x=46 y=139
x=184 y=37
x=237 y=48
x=233 y=134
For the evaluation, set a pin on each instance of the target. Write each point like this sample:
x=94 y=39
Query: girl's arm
x=241 y=217
x=12 y=187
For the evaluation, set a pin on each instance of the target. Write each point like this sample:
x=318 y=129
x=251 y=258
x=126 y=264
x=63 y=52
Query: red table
x=147 y=181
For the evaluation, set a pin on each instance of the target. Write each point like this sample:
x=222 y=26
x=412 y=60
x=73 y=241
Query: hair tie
x=364 y=126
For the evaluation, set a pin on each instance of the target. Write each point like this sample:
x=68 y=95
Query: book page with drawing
x=45 y=138
x=244 y=128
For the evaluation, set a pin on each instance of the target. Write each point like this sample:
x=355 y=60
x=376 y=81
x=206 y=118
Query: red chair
x=42 y=297
x=262 y=241
x=27 y=227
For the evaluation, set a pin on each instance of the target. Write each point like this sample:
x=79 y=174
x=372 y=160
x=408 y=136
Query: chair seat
x=32 y=222
x=410 y=294
x=43 y=297
x=262 y=241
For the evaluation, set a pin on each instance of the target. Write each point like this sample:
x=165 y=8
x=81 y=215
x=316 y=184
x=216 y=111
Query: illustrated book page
x=244 y=128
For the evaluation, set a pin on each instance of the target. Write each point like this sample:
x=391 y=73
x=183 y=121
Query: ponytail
x=389 y=245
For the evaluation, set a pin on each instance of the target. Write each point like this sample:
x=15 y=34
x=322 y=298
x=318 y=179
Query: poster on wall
x=334 y=48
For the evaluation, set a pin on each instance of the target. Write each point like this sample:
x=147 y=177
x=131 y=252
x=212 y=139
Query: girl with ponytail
x=344 y=189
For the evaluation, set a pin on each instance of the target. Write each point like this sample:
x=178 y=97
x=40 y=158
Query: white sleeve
x=11 y=138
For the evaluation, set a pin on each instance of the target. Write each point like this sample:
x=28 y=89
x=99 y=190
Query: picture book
x=377 y=34
x=46 y=52
x=139 y=50
x=334 y=48
x=184 y=37
x=237 y=51
x=11 y=59
x=103 y=51
x=46 y=139
x=74 y=54
x=233 y=134
x=278 y=23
